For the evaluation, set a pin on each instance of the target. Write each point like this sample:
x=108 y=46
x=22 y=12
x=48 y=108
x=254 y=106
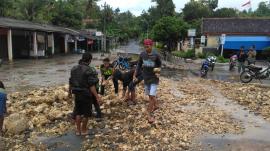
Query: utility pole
x=104 y=28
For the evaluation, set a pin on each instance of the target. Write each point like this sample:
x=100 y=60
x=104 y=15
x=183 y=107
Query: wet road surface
x=24 y=75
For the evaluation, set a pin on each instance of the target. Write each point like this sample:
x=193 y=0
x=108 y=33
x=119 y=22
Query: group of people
x=84 y=84
x=242 y=57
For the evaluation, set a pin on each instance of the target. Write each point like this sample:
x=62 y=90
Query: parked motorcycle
x=205 y=67
x=233 y=62
x=212 y=62
x=254 y=72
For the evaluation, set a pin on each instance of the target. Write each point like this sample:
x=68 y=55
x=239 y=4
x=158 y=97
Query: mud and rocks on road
x=185 y=113
x=255 y=97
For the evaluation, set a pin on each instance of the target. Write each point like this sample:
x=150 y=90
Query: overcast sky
x=137 y=6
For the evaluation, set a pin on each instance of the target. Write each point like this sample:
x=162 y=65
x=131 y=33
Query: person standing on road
x=82 y=84
x=251 y=55
x=150 y=63
x=241 y=56
x=3 y=108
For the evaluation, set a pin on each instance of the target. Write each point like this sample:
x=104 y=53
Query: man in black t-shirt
x=82 y=84
x=150 y=63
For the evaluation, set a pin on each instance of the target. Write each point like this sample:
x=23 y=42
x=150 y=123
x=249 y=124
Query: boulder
x=16 y=124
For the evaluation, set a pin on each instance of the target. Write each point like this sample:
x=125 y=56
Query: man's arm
x=92 y=81
x=93 y=90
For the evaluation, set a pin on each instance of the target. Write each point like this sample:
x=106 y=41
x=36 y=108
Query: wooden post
x=9 y=40
x=76 y=44
x=52 y=38
x=35 y=44
x=66 y=43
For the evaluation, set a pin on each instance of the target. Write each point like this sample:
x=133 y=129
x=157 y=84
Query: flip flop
x=84 y=133
x=151 y=119
x=77 y=133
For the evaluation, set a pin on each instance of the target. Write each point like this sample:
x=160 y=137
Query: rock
x=16 y=124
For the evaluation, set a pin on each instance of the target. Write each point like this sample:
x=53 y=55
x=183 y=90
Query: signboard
x=222 y=39
x=98 y=33
x=191 y=32
x=203 y=39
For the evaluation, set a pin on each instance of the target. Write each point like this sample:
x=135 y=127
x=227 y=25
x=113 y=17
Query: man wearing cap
x=150 y=63
x=82 y=84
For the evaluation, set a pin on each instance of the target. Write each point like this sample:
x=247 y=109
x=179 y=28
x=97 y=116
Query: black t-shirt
x=82 y=77
x=146 y=64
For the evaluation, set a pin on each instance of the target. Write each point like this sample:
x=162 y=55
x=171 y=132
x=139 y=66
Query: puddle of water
x=68 y=142
x=256 y=129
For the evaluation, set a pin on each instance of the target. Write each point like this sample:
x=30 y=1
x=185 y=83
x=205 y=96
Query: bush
x=190 y=54
x=182 y=54
x=221 y=59
x=201 y=55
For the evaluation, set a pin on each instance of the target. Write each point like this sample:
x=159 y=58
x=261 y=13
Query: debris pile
x=184 y=113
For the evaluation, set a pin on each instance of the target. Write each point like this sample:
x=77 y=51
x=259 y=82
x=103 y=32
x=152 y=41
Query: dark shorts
x=83 y=104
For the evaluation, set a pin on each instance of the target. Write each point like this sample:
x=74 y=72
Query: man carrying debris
x=125 y=77
x=150 y=63
x=83 y=84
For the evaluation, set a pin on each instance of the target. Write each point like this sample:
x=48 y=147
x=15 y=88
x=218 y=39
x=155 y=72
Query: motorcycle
x=254 y=72
x=212 y=62
x=122 y=63
x=205 y=67
x=233 y=61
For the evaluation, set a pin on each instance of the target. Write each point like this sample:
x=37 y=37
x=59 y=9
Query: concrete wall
x=212 y=41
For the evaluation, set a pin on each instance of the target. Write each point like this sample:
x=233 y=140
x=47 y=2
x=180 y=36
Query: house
x=239 y=32
x=24 y=39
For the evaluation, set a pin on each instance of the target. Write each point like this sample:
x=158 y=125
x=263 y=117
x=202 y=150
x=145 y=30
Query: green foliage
x=226 y=12
x=165 y=8
x=188 y=54
x=201 y=55
x=263 y=10
x=195 y=10
x=221 y=59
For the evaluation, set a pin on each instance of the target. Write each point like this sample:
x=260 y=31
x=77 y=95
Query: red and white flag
x=247 y=4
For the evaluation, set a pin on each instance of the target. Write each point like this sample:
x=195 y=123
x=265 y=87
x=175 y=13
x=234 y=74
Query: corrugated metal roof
x=27 y=25
x=236 y=26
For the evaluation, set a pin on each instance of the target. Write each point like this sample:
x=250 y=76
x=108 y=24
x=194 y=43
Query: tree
x=212 y=4
x=68 y=14
x=34 y=10
x=226 y=12
x=165 y=7
x=263 y=10
x=195 y=10
x=5 y=6
x=169 y=30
